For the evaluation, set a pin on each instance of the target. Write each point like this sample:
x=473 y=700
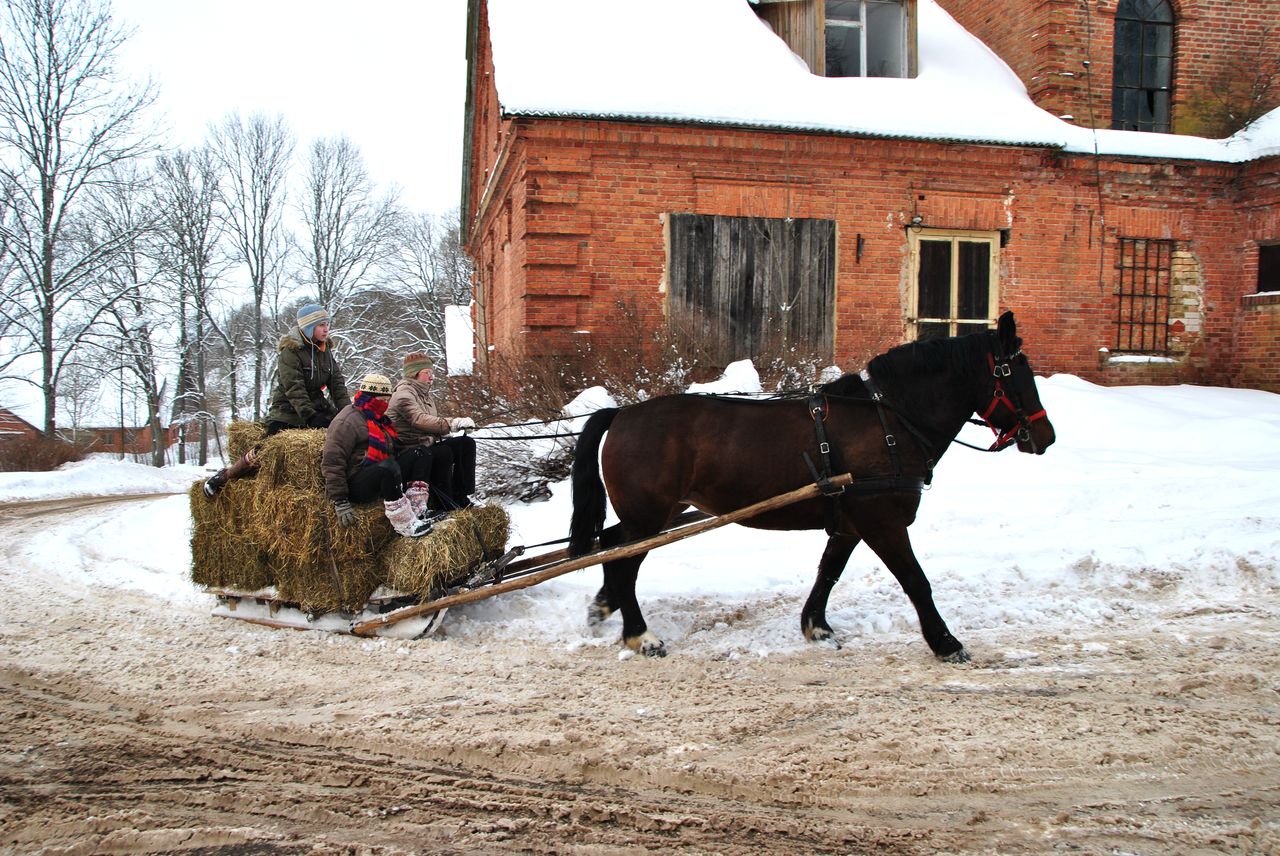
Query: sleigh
x=401 y=614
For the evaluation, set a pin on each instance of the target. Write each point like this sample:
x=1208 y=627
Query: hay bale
x=242 y=436
x=300 y=532
x=223 y=552
x=423 y=566
x=292 y=459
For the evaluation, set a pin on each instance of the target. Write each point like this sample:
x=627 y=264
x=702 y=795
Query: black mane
x=963 y=354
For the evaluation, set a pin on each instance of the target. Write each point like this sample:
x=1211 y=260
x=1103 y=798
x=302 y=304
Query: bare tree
x=189 y=233
x=349 y=229
x=433 y=272
x=255 y=156
x=132 y=334
x=65 y=119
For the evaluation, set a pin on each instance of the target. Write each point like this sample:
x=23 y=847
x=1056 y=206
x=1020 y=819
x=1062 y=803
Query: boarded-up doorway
x=748 y=287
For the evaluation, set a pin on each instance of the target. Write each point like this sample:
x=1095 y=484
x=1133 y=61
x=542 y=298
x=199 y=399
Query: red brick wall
x=579 y=227
x=1046 y=43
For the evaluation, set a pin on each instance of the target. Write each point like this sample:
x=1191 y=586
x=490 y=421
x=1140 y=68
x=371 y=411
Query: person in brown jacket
x=359 y=461
x=421 y=432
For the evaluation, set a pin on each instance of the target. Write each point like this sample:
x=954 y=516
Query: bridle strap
x=1022 y=430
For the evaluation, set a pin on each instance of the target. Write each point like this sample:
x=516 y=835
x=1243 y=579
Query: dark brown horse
x=887 y=426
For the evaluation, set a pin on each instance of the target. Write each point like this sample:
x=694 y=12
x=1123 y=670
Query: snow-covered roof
x=715 y=62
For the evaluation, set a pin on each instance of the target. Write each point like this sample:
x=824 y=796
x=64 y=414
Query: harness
x=818 y=408
x=999 y=364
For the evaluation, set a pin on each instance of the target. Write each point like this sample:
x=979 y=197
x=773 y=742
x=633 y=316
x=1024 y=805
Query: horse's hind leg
x=813 y=618
x=603 y=605
x=620 y=581
x=893 y=547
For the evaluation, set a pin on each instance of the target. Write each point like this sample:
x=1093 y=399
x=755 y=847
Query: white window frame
x=861 y=26
x=955 y=236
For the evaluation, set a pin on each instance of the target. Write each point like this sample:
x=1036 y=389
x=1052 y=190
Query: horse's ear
x=1007 y=330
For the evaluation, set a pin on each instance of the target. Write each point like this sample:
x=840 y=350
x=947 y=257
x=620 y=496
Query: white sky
x=390 y=74
x=1133 y=514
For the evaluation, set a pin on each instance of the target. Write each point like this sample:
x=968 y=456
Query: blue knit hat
x=309 y=316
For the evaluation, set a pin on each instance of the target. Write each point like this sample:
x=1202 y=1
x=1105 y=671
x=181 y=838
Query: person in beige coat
x=421 y=431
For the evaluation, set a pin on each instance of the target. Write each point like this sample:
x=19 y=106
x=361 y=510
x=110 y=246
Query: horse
x=887 y=426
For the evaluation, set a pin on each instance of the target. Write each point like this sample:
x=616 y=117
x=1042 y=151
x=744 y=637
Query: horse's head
x=1013 y=408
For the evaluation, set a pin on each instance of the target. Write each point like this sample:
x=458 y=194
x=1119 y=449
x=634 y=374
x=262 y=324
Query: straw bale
x=292 y=459
x=424 y=566
x=223 y=553
x=300 y=531
x=243 y=435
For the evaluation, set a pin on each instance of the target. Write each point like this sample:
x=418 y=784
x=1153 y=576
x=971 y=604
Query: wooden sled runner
x=399 y=616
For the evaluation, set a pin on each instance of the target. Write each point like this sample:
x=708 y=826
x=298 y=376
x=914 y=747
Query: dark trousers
x=380 y=479
x=453 y=471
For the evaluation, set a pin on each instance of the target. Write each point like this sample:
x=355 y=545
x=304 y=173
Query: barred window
x=1145 y=270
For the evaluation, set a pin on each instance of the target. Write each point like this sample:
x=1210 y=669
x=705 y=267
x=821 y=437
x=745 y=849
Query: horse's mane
x=962 y=354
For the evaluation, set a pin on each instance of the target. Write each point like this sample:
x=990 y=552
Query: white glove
x=461 y=423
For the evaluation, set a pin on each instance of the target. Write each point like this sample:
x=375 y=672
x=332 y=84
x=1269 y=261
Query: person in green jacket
x=309 y=390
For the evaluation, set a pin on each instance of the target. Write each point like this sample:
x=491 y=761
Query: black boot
x=216 y=482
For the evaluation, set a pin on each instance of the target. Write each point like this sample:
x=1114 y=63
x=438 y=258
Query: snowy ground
x=1151 y=495
x=1119 y=594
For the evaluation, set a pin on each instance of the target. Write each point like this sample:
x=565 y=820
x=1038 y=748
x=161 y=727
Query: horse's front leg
x=620 y=581
x=813 y=618
x=893 y=546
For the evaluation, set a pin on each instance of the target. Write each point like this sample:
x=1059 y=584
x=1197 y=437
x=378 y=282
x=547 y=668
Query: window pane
x=1269 y=268
x=1158 y=39
x=844 y=10
x=935 y=279
x=964 y=329
x=844 y=52
x=1128 y=39
x=975 y=279
x=932 y=331
x=885 y=26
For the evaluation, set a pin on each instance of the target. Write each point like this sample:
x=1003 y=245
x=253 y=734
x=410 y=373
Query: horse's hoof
x=654 y=650
x=961 y=656
x=597 y=613
x=824 y=636
x=647 y=644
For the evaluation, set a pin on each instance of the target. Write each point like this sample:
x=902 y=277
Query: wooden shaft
x=622 y=551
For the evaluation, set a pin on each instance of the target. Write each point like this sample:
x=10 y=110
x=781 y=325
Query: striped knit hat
x=416 y=362
x=309 y=315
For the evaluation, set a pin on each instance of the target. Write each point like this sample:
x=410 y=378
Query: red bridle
x=1020 y=431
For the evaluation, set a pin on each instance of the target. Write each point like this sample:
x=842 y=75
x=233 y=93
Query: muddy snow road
x=135 y=724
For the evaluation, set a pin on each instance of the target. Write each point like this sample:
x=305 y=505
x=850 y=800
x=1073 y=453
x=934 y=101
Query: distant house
x=845 y=175
x=13 y=426
x=133 y=441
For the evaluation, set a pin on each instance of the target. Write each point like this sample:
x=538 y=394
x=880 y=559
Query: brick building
x=848 y=175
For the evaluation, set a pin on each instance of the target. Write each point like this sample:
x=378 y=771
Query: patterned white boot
x=403 y=520
x=419 y=492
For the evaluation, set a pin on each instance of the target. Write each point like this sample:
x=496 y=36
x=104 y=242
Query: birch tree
x=66 y=118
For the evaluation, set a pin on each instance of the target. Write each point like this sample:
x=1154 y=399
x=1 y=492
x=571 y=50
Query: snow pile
x=98 y=475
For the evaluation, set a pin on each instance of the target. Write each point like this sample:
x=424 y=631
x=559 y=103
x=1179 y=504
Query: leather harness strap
x=818 y=409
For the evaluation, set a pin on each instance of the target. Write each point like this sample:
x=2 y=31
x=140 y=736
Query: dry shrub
x=37 y=454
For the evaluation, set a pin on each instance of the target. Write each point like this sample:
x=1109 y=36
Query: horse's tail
x=588 y=489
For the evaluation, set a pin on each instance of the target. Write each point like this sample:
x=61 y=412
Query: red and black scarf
x=382 y=434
